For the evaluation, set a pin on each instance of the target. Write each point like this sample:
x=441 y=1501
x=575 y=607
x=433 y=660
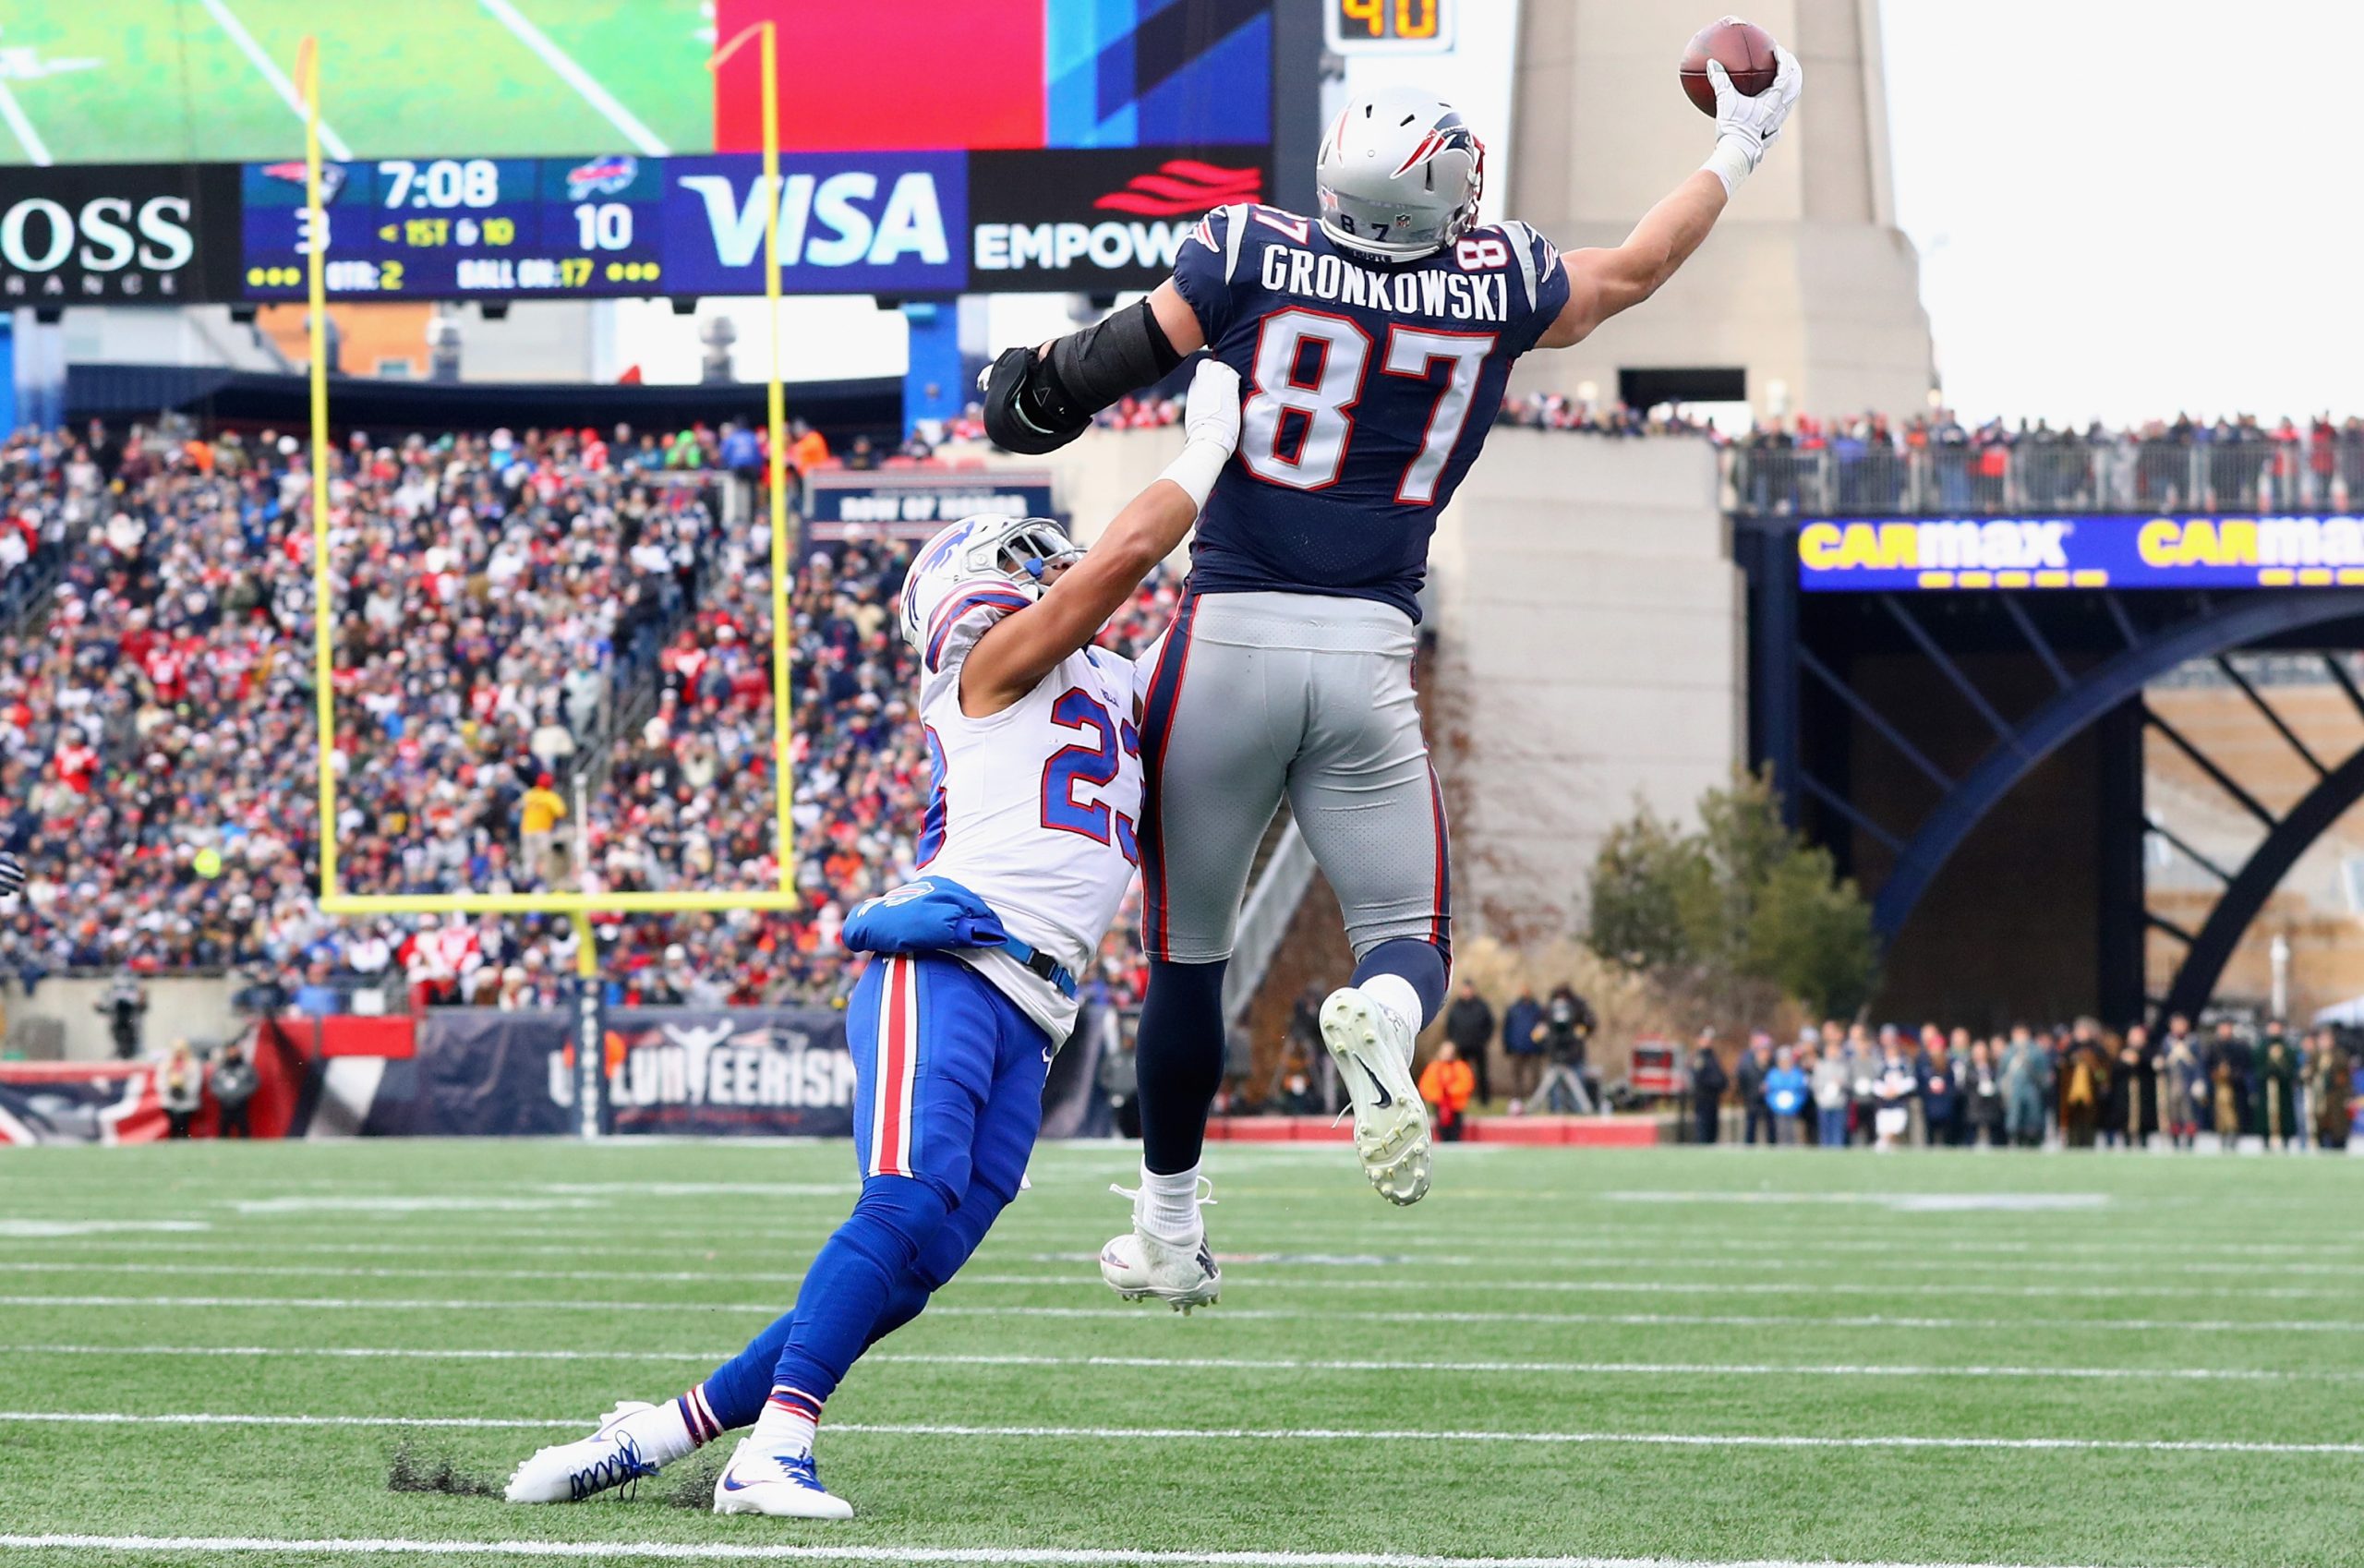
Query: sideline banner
x=777 y=1070
x=2123 y=551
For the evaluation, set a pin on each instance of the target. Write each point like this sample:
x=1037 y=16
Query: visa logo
x=841 y=221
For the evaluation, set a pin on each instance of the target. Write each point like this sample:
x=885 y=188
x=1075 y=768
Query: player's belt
x=1042 y=963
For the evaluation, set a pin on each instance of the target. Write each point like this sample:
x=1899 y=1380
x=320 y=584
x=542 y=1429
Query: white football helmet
x=1399 y=175
x=999 y=553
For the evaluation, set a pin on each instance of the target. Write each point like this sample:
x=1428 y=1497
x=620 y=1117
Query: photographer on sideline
x=1568 y=1023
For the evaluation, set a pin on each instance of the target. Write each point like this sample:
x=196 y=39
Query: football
x=1746 y=50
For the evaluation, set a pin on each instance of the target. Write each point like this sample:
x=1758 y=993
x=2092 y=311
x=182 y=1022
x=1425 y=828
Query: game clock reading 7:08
x=447 y=228
x=1393 y=27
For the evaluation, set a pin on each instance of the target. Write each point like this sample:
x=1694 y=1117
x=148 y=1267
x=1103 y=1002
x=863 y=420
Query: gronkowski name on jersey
x=1033 y=809
x=1371 y=389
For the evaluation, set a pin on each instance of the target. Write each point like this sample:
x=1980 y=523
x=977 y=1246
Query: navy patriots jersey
x=1370 y=390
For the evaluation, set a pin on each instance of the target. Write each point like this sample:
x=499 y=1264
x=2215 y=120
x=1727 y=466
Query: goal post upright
x=308 y=75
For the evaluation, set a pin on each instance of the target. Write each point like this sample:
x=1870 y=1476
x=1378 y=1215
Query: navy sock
x=1179 y=1051
x=853 y=1280
x=736 y=1390
x=1420 y=964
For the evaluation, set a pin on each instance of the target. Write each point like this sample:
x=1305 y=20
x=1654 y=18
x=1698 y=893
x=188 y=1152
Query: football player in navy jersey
x=1375 y=340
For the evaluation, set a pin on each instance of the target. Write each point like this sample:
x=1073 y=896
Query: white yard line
x=1802 y=1253
x=277 y=78
x=1949 y=1291
x=1017 y=1557
x=21 y=127
x=1245 y=1434
x=1242 y=1363
x=1408 y=1318
x=643 y=140
x=1328 y=1261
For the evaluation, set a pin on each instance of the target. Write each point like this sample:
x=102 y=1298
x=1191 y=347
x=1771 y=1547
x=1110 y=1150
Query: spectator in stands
x=1862 y=1081
x=1447 y=1084
x=2133 y=1071
x=1785 y=1095
x=124 y=1005
x=1709 y=1081
x=2027 y=1087
x=1522 y=1046
x=1943 y=1110
x=1120 y=1082
x=1748 y=1087
x=235 y=1082
x=807 y=448
x=539 y=811
x=180 y=1088
x=1469 y=1024
x=1898 y=1083
x=1982 y=1085
x=2084 y=1083
x=2331 y=1089
x=2183 y=1084
x=2278 y=1088
x=1829 y=1084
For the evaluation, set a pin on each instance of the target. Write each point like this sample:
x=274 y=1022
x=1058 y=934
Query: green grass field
x=136 y=81
x=1689 y=1357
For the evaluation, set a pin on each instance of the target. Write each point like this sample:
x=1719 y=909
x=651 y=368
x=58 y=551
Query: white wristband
x=1198 y=468
x=1730 y=162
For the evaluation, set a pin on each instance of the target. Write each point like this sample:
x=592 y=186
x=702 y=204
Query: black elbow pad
x=1023 y=412
x=1038 y=403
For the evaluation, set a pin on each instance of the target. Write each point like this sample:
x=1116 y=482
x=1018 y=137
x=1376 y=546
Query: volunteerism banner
x=2109 y=552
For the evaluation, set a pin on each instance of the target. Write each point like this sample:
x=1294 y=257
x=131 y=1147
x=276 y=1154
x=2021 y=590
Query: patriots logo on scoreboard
x=291 y=171
x=601 y=176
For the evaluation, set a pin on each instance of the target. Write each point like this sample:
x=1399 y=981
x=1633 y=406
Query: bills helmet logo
x=601 y=176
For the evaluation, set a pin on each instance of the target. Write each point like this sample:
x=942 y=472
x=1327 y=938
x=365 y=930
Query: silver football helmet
x=1399 y=175
x=999 y=554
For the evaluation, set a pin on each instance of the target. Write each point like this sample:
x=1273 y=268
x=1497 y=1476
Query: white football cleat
x=778 y=1485
x=585 y=1468
x=1373 y=1051
x=1138 y=1266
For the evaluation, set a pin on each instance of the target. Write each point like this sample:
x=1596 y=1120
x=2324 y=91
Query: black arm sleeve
x=1037 y=403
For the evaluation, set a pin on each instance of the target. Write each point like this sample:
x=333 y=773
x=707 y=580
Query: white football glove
x=1209 y=428
x=1746 y=126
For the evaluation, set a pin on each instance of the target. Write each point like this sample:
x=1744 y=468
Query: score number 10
x=1370 y=27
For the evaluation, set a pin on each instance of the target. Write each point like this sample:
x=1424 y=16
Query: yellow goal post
x=579 y=905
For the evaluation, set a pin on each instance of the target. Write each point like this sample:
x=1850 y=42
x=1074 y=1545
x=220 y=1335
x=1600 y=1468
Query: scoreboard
x=893 y=224
x=612 y=224
x=447 y=228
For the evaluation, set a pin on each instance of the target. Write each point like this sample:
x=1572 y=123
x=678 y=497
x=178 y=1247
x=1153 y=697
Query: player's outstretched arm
x=1604 y=282
x=1037 y=400
x=1026 y=645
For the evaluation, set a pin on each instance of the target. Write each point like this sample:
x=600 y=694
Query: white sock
x=1169 y=1207
x=664 y=1431
x=1395 y=994
x=788 y=1423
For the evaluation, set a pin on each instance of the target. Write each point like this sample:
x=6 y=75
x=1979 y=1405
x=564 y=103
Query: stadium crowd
x=500 y=601
x=1877 y=462
x=2079 y=1085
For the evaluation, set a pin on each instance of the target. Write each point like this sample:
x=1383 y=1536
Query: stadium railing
x=1848 y=478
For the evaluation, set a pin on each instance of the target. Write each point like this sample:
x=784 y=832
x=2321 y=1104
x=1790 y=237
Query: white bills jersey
x=1034 y=809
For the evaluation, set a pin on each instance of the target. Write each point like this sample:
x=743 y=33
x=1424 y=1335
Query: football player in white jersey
x=1028 y=845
